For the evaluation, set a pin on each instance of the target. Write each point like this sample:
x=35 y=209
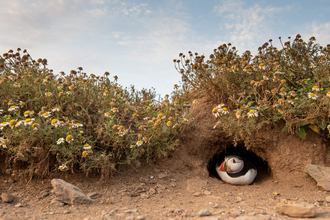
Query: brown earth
x=178 y=186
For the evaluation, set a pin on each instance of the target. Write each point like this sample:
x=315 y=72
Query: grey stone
x=54 y=202
x=320 y=174
x=204 y=212
x=68 y=193
x=195 y=185
x=297 y=210
x=66 y=212
x=7 y=197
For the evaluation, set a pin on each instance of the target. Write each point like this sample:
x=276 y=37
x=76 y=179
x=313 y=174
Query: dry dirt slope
x=178 y=186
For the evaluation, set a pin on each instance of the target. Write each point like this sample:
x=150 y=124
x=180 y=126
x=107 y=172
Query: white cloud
x=320 y=31
x=247 y=25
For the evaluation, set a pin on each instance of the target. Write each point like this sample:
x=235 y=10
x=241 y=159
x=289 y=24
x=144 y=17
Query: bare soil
x=179 y=185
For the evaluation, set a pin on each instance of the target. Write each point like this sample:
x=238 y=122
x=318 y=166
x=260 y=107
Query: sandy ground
x=155 y=192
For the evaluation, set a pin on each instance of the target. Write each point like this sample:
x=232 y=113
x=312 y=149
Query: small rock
x=93 y=195
x=320 y=174
x=162 y=175
x=145 y=196
x=207 y=193
x=152 y=191
x=68 y=193
x=54 y=202
x=7 y=197
x=66 y=212
x=197 y=194
x=140 y=217
x=204 y=212
x=327 y=198
x=238 y=199
x=18 y=205
x=297 y=210
x=216 y=206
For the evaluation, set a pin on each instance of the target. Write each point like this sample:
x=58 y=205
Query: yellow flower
x=312 y=96
x=195 y=101
x=69 y=138
x=238 y=114
x=46 y=115
x=107 y=114
x=12 y=123
x=87 y=147
x=28 y=113
x=114 y=110
x=328 y=94
x=13 y=108
x=252 y=113
x=160 y=115
x=35 y=126
x=133 y=147
x=106 y=93
x=63 y=168
x=169 y=123
x=316 y=89
x=28 y=121
x=224 y=110
x=139 y=143
x=55 y=109
x=60 y=141
x=17 y=85
x=48 y=94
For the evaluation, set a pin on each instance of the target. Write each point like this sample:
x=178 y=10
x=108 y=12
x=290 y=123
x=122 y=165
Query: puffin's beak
x=223 y=167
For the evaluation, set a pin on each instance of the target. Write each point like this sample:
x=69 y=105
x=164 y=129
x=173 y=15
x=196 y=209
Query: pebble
x=152 y=191
x=66 y=212
x=18 y=205
x=7 y=197
x=54 y=202
x=204 y=212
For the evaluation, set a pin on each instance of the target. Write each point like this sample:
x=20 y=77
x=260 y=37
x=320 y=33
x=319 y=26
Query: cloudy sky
x=138 y=40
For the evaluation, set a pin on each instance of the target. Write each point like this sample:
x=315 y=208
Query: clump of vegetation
x=290 y=84
x=50 y=122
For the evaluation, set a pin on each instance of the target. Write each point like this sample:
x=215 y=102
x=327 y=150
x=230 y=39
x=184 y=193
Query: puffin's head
x=232 y=164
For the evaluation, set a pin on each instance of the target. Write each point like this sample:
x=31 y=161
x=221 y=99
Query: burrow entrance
x=264 y=171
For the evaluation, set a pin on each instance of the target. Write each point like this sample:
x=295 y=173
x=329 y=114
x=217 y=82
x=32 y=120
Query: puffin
x=236 y=170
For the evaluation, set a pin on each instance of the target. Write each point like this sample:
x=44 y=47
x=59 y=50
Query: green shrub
x=292 y=84
x=50 y=122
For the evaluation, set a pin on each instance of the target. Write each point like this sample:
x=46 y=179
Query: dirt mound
x=283 y=155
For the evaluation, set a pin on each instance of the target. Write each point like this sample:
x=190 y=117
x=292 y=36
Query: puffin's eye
x=234 y=161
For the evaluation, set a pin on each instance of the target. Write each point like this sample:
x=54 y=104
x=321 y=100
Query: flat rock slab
x=195 y=185
x=297 y=210
x=68 y=193
x=320 y=174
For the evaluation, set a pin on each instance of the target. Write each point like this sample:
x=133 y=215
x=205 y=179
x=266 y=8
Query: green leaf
x=303 y=123
x=314 y=128
x=301 y=132
x=323 y=126
x=285 y=128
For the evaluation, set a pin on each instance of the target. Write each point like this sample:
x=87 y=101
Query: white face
x=235 y=165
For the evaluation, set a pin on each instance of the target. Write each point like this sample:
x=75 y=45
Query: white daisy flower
x=60 y=141
x=312 y=96
x=252 y=113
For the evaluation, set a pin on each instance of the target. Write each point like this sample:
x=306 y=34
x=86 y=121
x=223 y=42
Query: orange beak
x=223 y=167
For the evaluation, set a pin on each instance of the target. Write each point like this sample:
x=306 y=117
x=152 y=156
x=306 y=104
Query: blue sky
x=138 y=40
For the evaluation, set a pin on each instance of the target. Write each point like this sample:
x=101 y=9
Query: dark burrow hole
x=263 y=169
